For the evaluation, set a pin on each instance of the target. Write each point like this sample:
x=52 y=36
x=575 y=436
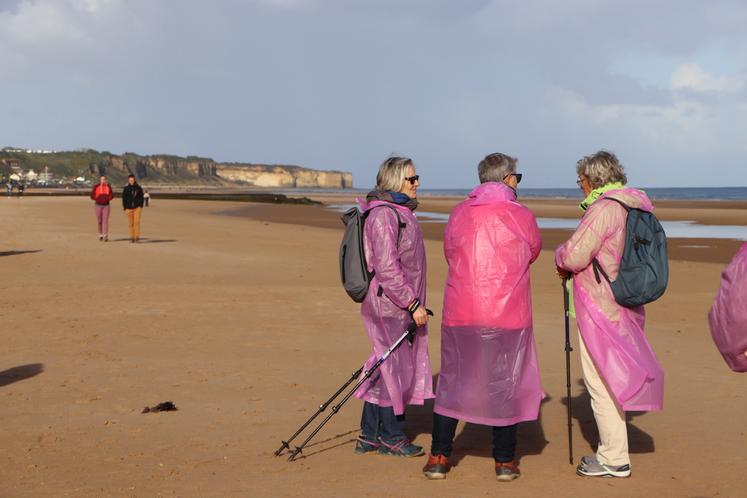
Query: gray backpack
x=644 y=268
x=353 y=268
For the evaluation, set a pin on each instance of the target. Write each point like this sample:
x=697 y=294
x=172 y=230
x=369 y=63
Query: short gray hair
x=392 y=173
x=601 y=168
x=496 y=167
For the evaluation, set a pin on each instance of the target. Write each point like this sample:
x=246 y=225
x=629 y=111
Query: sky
x=343 y=84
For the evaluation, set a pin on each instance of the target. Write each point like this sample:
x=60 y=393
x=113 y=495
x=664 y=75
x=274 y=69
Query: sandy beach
x=240 y=320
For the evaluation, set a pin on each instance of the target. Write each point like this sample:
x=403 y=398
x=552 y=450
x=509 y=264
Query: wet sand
x=241 y=322
x=684 y=249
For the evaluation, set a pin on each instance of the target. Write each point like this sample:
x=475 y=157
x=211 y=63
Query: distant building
x=12 y=163
x=45 y=176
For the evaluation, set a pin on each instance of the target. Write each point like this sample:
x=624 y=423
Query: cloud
x=693 y=77
x=342 y=83
x=40 y=24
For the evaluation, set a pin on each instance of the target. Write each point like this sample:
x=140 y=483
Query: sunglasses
x=515 y=175
x=412 y=179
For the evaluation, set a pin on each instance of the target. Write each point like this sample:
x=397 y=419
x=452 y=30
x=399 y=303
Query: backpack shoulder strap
x=599 y=270
x=400 y=224
x=627 y=208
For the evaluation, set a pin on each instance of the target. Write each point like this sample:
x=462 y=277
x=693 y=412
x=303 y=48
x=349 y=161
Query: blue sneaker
x=364 y=445
x=400 y=447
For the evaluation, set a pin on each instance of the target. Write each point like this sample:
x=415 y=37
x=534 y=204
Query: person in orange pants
x=132 y=202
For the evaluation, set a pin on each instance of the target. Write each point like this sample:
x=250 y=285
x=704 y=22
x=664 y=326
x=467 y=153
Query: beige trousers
x=133 y=222
x=613 y=430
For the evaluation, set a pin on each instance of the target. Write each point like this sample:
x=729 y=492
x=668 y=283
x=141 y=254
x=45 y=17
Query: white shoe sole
x=606 y=473
x=507 y=478
x=435 y=476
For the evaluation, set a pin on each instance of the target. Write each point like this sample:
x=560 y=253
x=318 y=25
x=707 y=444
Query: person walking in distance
x=132 y=202
x=102 y=194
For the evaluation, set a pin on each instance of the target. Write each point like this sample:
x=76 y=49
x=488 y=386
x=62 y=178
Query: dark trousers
x=444 y=429
x=379 y=421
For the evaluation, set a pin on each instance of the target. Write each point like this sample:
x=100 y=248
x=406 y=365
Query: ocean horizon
x=673 y=193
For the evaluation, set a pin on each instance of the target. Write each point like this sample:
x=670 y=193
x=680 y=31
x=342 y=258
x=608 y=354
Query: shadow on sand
x=15 y=253
x=146 y=241
x=474 y=439
x=639 y=441
x=477 y=439
x=20 y=373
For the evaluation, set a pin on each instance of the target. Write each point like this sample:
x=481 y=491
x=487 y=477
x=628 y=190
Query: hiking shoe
x=364 y=446
x=591 y=467
x=437 y=467
x=506 y=471
x=400 y=447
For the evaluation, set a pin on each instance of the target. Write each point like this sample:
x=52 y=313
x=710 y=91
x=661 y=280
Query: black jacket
x=132 y=197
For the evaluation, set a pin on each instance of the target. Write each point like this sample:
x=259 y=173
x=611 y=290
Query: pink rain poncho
x=613 y=334
x=489 y=371
x=405 y=377
x=728 y=316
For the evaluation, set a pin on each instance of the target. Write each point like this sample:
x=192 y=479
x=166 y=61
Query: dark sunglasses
x=412 y=179
x=516 y=175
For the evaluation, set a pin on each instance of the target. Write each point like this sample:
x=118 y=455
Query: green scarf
x=597 y=193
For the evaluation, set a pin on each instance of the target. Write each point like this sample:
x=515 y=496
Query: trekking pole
x=409 y=332
x=568 y=349
x=322 y=407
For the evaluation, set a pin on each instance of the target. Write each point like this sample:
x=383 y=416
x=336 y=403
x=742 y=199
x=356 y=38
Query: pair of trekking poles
x=408 y=335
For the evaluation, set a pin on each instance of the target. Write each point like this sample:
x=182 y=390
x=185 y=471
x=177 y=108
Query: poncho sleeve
x=382 y=226
x=584 y=245
x=534 y=238
x=728 y=315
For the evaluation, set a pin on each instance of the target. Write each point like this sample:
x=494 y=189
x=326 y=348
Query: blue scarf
x=394 y=197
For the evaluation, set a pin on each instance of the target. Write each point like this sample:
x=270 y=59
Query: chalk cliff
x=174 y=170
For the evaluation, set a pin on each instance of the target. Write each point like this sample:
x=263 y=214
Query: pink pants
x=102 y=218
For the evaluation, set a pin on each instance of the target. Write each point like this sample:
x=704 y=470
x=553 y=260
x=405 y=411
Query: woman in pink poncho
x=489 y=372
x=395 y=253
x=620 y=369
x=728 y=316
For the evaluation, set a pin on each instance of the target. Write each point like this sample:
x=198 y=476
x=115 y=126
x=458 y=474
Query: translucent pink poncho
x=405 y=377
x=728 y=316
x=613 y=334
x=489 y=373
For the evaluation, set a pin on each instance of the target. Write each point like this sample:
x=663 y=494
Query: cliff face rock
x=175 y=170
x=284 y=177
x=174 y=165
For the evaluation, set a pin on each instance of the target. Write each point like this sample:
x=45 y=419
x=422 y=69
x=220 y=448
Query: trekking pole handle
x=412 y=327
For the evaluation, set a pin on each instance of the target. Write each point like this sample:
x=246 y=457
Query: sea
x=673 y=229
x=683 y=193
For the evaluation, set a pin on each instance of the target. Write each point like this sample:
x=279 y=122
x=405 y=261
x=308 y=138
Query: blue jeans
x=381 y=422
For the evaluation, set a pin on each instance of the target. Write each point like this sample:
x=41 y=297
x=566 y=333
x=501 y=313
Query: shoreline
x=705 y=250
x=714 y=212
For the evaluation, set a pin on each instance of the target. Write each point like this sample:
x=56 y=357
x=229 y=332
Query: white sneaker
x=591 y=467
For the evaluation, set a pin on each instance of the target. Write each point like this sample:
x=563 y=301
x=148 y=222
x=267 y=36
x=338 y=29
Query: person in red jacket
x=102 y=194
